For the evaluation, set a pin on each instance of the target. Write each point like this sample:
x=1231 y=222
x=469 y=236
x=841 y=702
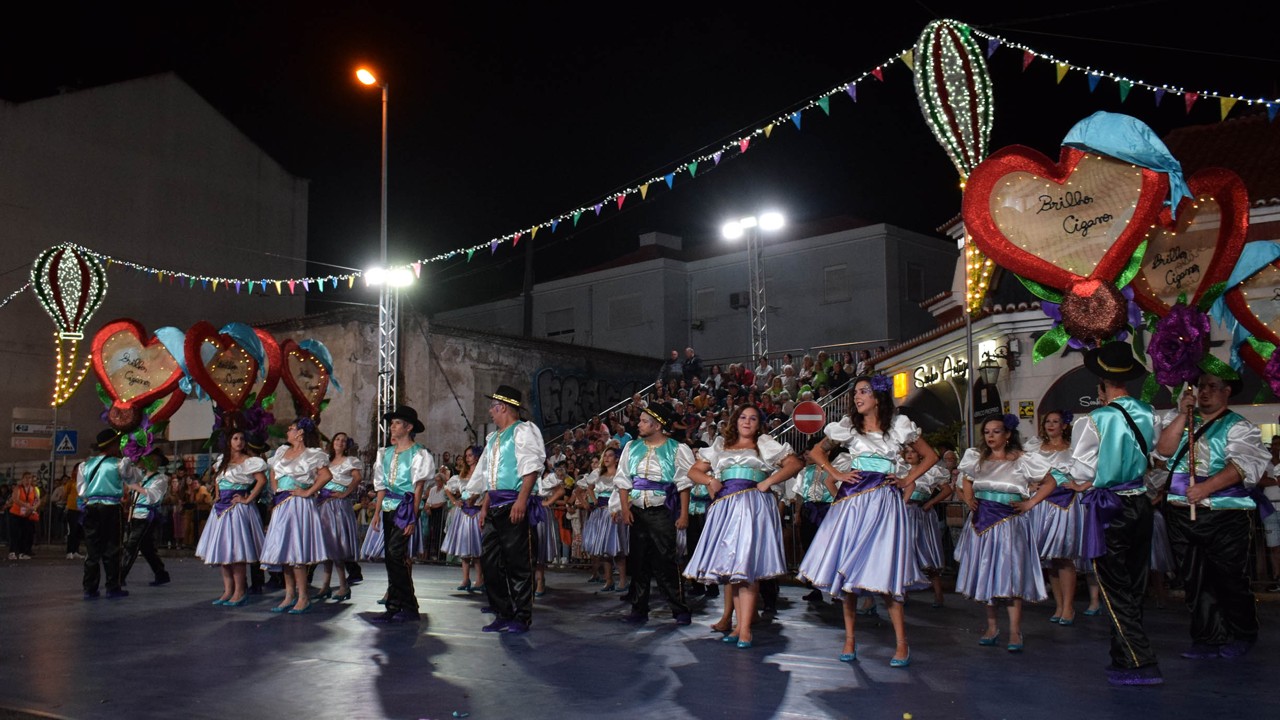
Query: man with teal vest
x=1108 y=464
x=1212 y=550
x=652 y=495
x=147 y=496
x=399 y=475
x=513 y=459
x=100 y=484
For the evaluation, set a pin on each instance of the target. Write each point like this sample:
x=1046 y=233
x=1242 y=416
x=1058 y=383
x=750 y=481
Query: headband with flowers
x=881 y=383
x=1010 y=422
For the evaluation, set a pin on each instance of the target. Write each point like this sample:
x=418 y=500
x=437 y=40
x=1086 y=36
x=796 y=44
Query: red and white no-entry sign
x=809 y=417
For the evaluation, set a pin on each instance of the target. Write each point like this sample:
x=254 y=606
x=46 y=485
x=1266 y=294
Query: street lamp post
x=759 y=306
x=388 y=292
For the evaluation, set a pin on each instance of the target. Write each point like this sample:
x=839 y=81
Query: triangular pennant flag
x=992 y=44
x=908 y=57
x=1191 y=99
x=1159 y=95
x=622 y=197
x=160 y=277
x=493 y=247
x=1227 y=104
x=795 y=118
x=768 y=129
x=320 y=283
x=576 y=215
x=852 y=91
x=335 y=281
x=669 y=177
x=215 y=284
x=1062 y=71
x=171 y=279
x=290 y=287
x=1027 y=57
x=306 y=286
x=879 y=73
x=1125 y=87
x=743 y=144
x=279 y=287
x=824 y=102
x=237 y=287
x=470 y=252
x=716 y=158
x=516 y=241
x=600 y=205
x=693 y=168
x=191 y=282
x=351 y=281
x=1271 y=111
x=555 y=224
x=204 y=283
x=1093 y=81
x=644 y=193
x=417 y=270
x=534 y=233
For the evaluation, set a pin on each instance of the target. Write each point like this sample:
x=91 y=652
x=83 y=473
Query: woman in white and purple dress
x=1055 y=521
x=549 y=489
x=295 y=538
x=232 y=537
x=997 y=552
x=865 y=545
x=462 y=539
x=932 y=487
x=602 y=538
x=338 y=517
x=741 y=543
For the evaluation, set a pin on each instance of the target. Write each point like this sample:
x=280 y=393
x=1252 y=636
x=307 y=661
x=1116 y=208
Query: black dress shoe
x=395 y=617
x=635 y=618
x=159 y=581
x=117 y=593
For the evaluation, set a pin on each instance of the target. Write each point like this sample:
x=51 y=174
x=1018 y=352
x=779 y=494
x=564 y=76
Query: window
x=835 y=284
x=560 y=324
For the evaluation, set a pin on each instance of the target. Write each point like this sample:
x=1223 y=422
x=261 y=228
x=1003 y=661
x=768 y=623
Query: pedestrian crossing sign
x=64 y=442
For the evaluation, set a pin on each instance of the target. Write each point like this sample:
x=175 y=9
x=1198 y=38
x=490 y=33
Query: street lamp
x=388 y=293
x=751 y=227
x=990 y=367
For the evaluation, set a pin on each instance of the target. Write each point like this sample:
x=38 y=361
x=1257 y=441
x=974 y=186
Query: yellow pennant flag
x=215 y=284
x=278 y=292
x=1062 y=71
x=1227 y=104
x=768 y=129
x=351 y=280
x=909 y=58
x=644 y=191
x=534 y=234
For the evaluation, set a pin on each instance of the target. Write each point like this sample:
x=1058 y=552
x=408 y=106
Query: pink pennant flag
x=417 y=269
x=1027 y=57
x=743 y=144
x=517 y=239
x=879 y=74
x=290 y=287
x=1191 y=99
x=621 y=199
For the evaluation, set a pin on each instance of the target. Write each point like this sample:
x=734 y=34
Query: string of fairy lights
x=733 y=147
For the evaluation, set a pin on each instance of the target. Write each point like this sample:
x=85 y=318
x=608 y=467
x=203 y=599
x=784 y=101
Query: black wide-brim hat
x=663 y=413
x=508 y=395
x=1114 y=361
x=407 y=414
x=106 y=439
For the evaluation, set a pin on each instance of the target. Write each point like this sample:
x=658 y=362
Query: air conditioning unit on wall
x=738 y=300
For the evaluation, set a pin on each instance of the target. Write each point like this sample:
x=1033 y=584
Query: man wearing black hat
x=100 y=487
x=399 y=475
x=652 y=497
x=511 y=463
x=1211 y=548
x=147 y=494
x=1108 y=463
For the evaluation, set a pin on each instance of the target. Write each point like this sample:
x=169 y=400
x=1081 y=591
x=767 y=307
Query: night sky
x=503 y=118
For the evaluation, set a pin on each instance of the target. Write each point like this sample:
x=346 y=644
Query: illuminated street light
x=751 y=227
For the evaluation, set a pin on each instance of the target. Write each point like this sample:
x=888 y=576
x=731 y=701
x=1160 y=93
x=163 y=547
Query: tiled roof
x=1248 y=145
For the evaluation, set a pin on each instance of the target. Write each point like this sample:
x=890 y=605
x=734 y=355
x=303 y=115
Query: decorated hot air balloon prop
x=70 y=284
x=954 y=90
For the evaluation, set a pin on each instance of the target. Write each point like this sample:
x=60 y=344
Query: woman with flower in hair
x=864 y=546
x=1056 y=522
x=295 y=539
x=232 y=539
x=741 y=541
x=932 y=487
x=462 y=539
x=999 y=562
x=604 y=539
x=337 y=516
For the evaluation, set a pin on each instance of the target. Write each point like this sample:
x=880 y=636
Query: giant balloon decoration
x=70 y=285
x=954 y=90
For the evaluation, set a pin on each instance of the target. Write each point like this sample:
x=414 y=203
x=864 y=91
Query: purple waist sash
x=602 y=501
x=989 y=513
x=868 y=481
x=1061 y=496
x=533 y=507
x=734 y=485
x=324 y=495
x=671 y=498
x=1181 y=482
x=470 y=510
x=280 y=497
x=224 y=499
x=406 y=515
x=1100 y=505
x=815 y=512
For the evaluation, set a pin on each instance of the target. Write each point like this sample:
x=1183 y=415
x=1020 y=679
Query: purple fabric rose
x=1272 y=372
x=1179 y=343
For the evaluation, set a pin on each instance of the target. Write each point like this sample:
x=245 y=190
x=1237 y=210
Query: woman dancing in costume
x=932 y=487
x=865 y=546
x=549 y=489
x=741 y=543
x=295 y=539
x=338 y=517
x=603 y=537
x=462 y=539
x=1056 y=522
x=999 y=560
x=232 y=539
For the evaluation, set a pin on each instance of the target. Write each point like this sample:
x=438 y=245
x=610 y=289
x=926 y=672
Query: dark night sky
x=502 y=118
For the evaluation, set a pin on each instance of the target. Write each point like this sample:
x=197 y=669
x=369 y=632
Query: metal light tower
x=759 y=306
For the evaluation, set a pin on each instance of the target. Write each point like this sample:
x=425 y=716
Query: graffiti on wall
x=564 y=400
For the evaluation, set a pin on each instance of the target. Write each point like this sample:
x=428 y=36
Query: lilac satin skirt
x=235 y=536
x=741 y=542
x=547 y=539
x=682 y=542
x=866 y=544
x=341 y=535
x=372 y=548
x=928 y=535
x=1057 y=529
x=294 y=535
x=462 y=539
x=1161 y=551
x=602 y=537
x=1003 y=562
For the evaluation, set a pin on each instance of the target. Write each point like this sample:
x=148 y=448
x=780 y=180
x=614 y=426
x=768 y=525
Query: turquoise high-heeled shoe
x=904 y=662
x=302 y=611
x=744 y=644
x=989 y=641
x=729 y=639
x=236 y=603
x=849 y=657
x=1014 y=647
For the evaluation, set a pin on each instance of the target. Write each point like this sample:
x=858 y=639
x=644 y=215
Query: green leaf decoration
x=1039 y=290
x=248 y=401
x=268 y=401
x=1131 y=270
x=1261 y=397
x=103 y=396
x=1211 y=364
x=1149 y=388
x=1152 y=320
x=275 y=431
x=1049 y=343
x=324 y=404
x=1262 y=347
x=1211 y=296
x=1139 y=349
x=1182 y=298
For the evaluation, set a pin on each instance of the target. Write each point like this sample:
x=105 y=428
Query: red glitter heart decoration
x=135 y=372
x=305 y=377
x=229 y=373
